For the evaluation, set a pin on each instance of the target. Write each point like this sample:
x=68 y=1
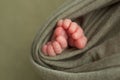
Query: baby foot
x=76 y=37
x=65 y=32
x=58 y=42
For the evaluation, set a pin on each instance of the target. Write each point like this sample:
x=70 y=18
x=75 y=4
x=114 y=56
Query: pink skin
x=66 y=33
x=58 y=42
x=76 y=36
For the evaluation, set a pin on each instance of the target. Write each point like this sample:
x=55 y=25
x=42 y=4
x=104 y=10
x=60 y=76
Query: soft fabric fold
x=99 y=60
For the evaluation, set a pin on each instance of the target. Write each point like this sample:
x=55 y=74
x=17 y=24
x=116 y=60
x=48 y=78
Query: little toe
x=50 y=50
x=81 y=42
x=57 y=47
x=77 y=34
x=44 y=49
x=62 y=41
x=66 y=23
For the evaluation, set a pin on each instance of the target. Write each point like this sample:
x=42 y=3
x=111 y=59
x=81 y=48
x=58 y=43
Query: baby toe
x=81 y=43
x=77 y=34
x=50 y=50
x=57 y=47
x=66 y=23
x=72 y=27
x=60 y=23
x=44 y=49
x=62 y=41
x=59 y=31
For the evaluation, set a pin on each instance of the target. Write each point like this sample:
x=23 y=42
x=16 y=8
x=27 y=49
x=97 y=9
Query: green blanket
x=99 y=60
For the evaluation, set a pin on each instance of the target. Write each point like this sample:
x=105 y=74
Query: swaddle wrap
x=99 y=60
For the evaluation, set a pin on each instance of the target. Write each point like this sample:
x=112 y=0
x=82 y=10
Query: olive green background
x=19 y=22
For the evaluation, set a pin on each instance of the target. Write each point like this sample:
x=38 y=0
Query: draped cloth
x=99 y=60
